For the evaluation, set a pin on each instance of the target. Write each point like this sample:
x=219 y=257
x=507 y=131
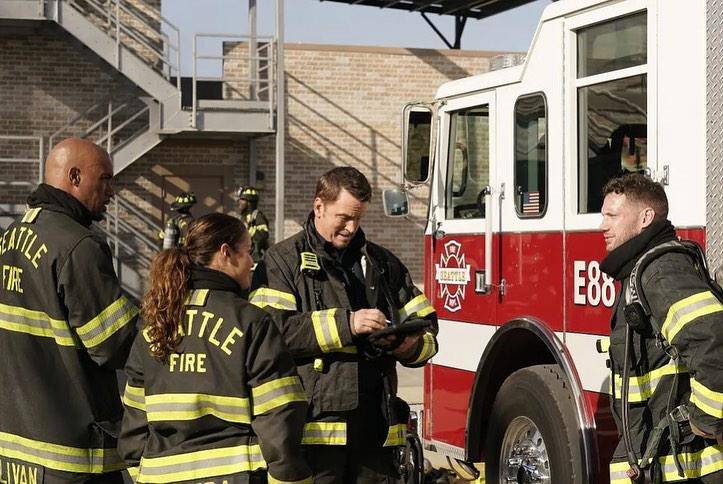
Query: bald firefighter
x=65 y=327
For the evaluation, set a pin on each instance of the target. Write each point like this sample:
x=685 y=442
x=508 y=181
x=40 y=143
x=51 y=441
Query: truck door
x=465 y=170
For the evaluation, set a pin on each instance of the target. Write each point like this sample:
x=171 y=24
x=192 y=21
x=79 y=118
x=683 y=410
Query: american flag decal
x=530 y=203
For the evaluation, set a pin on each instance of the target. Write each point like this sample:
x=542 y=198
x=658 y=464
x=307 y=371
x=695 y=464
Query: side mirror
x=396 y=202
x=416 y=142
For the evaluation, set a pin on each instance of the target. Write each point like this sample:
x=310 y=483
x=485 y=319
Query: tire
x=412 y=461
x=534 y=407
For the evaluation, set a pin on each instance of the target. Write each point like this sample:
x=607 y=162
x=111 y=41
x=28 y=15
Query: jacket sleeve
x=415 y=305
x=279 y=403
x=307 y=334
x=690 y=317
x=98 y=311
x=134 y=428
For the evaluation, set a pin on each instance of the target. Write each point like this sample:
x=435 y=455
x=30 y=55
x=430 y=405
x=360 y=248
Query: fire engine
x=514 y=161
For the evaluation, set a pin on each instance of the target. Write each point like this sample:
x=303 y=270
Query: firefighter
x=330 y=290
x=174 y=233
x=673 y=416
x=255 y=220
x=212 y=394
x=65 y=326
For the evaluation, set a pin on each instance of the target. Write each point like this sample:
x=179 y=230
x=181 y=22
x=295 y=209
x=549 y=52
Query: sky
x=313 y=21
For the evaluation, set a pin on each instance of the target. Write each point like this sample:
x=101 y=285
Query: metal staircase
x=142 y=45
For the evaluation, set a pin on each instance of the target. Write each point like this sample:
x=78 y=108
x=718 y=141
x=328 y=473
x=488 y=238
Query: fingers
x=365 y=321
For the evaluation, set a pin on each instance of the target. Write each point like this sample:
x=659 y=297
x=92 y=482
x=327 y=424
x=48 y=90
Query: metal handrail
x=266 y=44
x=112 y=10
x=39 y=159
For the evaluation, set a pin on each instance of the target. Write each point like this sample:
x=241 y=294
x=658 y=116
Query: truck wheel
x=533 y=434
x=412 y=461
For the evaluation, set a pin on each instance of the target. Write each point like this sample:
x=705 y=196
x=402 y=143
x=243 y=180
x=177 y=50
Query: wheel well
x=497 y=363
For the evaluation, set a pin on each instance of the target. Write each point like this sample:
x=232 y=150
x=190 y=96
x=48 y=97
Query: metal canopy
x=461 y=10
x=477 y=9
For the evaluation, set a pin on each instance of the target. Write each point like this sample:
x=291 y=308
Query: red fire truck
x=514 y=161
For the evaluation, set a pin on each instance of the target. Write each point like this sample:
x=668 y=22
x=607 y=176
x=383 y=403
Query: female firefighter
x=212 y=393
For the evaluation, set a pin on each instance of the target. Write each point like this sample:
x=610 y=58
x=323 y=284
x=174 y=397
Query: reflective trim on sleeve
x=709 y=401
x=687 y=310
x=197 y=297
x=201 y=464
x=135 y=397
x=36 y=323
x=324 y=433
x=60 y=457
x=419 y=307
x=273 y=480
x=191 y=406
x=105 y=324
x=31 y=215
x=326 y=330
x=262 y=228
x=643 y=386
x=133 y=473
x=429 y=348
x=265 y=296
x=276 y=393
x=396 y=435
x=695 y=465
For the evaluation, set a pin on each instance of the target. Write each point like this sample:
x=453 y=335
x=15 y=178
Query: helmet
x=184 y=200
x=248 y=193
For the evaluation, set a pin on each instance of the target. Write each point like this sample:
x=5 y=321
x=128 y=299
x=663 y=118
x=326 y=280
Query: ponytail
x=169 y=279
x=163 y=305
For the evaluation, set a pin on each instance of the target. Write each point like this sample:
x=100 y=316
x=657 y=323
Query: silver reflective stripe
x=37 y=323
x=200 y=464
x=121 y=312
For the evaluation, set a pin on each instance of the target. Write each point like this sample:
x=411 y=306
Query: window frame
x=518 y=210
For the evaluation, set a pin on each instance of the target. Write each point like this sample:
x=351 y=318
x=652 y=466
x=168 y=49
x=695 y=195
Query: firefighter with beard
x=669 y=410
x=329 y=289
x=255 y=220
x=65 y=327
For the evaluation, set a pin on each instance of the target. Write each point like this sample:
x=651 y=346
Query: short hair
x=640 y=188
x=348 y=178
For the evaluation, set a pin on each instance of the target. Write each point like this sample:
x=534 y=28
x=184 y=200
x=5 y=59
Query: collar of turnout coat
x=205 y=278
x=323 y=247
x=620 y=262
x=50 y=198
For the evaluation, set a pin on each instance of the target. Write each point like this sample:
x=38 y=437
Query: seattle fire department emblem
x=452 y=274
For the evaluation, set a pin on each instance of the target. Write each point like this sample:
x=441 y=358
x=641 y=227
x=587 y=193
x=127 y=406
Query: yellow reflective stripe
x=687 y=310
x=396 y=435
x=324 y=433
x=59 y=457
x=191 y=406
x=197 y=297
x=201 y=464
x=711 y=402
x=262 y=228
x=105 y=324
x=36 y=323
x=252 y=231
x=429 y=348
x=326 y=331
x=273 y=480
x=133 y=472
x=265 y=296
x=618 y=473
x=31 y=215
x=135 y=397
x=276 y=393
x=695 y=464
x=642 y=387
x=419 y=307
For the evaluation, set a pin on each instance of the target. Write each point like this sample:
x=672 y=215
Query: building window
x=612 y=106
x=531 y=156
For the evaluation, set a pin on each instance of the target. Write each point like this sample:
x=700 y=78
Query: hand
x=365 y=321
x=699 y=432
x=407 y=345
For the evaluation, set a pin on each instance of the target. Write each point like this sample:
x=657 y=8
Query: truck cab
x=513 y=163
